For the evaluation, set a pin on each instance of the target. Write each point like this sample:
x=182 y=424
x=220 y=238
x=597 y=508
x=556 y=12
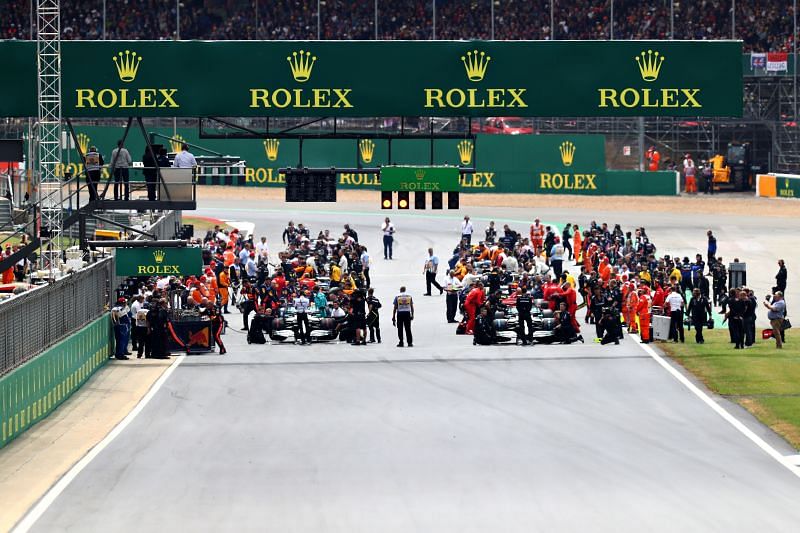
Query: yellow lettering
x=168 y=101
x=629 y=102
x=472 y=101
x=558 y=181
x=298 y=99
x=646 y=99
x=259 y=98
x=461 y=97
x=285 y=94
x=668 y=97
x=689 y=94
x=249 y=175
x=431 y=95
x=85 y=98
x=488 y=176
x=607 y=95
x=578 y=181
x=545 y=181
x=342 y=101
x=590 y=181
x=345 y=179
x=495 y=97
x=147 y=98
x=140 y=269
x=123 y=97
x=104 y=102
x=516 y=95
x=322 y=97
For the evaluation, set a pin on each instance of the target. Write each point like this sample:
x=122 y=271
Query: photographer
x=485 y=333
x=609 y=323
x=777 y=317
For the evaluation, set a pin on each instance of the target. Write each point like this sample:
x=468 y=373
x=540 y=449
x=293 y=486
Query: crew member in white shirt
x=676 y=304
x=365 y=265
x=452 y=285
x=301 y=304
x=466 y=230
x=263 y=251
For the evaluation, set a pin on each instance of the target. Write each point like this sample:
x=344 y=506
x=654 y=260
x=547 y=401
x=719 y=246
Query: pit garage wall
x=32 y=391
x=545 y=164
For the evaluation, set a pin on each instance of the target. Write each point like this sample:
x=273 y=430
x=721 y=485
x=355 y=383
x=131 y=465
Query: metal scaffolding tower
x=48 y=126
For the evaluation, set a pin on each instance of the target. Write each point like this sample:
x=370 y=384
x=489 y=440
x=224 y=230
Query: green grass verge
x=203 y=224
x=763 y=379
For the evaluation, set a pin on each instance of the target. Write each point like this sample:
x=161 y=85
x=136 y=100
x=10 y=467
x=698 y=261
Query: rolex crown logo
x=271 y=148
x=83 y=142
x=127 y=65
x=465 y=148
x=159 y=256
x=301 y=63
x=786 y=183
x=475 y=62
x=567 y=149
x=419 y=173
x=649 y=64
x=367 y=149
x=176 y=143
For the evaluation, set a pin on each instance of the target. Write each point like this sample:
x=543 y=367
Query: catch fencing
x=37 y=319
x=34 y=320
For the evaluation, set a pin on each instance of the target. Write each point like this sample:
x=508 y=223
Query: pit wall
x=34 y=390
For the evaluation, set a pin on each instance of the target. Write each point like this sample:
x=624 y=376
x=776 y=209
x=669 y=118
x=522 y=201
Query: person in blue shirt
x=712 y=247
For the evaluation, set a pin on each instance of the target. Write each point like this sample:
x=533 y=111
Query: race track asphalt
x=437 y=438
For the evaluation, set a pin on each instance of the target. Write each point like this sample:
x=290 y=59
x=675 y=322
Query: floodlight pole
x=612 y=20
x=492 y=13
x=434 y=20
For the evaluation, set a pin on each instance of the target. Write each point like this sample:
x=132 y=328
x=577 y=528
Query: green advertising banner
x=159 y=262
x=787 y=186
x=443 y=179
x=560 y=164
x=383 y=78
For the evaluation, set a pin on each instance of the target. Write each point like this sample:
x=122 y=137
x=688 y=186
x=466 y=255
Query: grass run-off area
x=763 y=379
x=203 y=224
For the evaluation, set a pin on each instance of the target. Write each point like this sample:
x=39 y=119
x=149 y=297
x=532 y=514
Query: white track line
x=787 y=462
x=50 y=496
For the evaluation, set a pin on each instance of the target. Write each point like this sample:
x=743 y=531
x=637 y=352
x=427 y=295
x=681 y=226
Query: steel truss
x=48 y=126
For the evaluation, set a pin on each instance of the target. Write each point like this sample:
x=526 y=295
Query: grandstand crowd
x=763 y=25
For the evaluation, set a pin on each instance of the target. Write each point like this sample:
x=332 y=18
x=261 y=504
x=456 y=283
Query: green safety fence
x=35 y=389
